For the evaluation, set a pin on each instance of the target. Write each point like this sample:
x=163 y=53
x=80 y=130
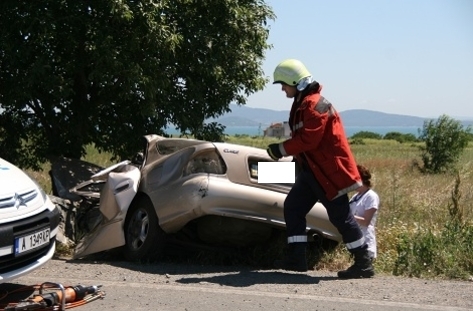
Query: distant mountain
x=247 y=116
x=362 y=117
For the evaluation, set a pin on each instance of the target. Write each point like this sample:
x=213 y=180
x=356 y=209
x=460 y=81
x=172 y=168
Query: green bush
x=448 y=253
x=356 y=141
x=402 y=138
x=366 y=134
x=445 y=140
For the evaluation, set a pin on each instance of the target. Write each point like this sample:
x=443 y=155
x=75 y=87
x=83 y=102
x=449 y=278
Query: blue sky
x=410 y=57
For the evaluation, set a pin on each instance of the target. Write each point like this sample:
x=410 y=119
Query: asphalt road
x=168 y=286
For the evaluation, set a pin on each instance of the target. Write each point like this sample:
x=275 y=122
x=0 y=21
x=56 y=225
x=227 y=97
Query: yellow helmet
x=290 y=72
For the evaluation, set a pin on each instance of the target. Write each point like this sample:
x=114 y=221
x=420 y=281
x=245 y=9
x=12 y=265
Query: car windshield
x=168 y=146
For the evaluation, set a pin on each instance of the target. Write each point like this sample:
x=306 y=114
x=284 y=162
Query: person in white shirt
x=364 y=205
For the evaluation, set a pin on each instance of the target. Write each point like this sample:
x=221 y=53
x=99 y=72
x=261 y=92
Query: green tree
x=212 y=131
x=107 y=72
x=445 y=139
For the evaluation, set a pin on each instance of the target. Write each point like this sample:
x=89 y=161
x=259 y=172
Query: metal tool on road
x=54 y=296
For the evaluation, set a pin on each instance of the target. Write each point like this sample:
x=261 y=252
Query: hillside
x=361 y=117
x=248 y=116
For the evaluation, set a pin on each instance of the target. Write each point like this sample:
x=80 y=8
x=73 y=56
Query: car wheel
x=144 y=239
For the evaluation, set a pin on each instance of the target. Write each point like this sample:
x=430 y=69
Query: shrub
x=366 y=134
x=427 y=253
x=446 y=252
x=444 y=139
x=356 y=141
x=402 y=138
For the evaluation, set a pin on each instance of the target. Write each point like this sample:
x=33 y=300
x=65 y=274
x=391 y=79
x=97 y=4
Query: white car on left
x=28 y=223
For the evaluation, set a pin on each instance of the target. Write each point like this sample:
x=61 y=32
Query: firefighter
x=328 y=170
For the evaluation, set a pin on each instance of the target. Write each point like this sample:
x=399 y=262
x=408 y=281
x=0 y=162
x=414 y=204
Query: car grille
x=10 y=230
x=18 y=199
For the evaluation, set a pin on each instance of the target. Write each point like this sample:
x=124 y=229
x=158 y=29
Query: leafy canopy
x=107 y=72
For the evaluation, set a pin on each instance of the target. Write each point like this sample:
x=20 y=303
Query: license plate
x=31 y=241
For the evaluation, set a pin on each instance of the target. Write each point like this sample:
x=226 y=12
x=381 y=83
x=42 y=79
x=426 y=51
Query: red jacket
x=318 y=141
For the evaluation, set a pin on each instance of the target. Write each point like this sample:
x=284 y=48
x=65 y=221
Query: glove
x=274 y=152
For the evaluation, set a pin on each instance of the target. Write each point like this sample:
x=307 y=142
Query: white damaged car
x=189 y=191
x=28 y=223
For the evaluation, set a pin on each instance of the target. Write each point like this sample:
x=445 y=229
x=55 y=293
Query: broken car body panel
x=120 y=185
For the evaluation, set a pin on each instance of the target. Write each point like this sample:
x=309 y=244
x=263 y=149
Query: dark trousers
x=305 y=192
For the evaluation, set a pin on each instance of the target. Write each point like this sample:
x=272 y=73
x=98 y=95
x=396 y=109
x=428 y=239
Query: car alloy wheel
x=144 y=239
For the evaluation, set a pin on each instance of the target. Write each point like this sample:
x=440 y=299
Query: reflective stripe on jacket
x=318 y=139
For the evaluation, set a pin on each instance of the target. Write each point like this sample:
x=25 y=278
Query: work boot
x=295 y=259
x=362 y=268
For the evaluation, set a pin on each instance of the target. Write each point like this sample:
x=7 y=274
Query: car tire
x=144 y=238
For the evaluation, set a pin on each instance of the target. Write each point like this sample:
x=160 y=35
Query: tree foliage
x=107 y=72
x=445 y=139
x=212 y=131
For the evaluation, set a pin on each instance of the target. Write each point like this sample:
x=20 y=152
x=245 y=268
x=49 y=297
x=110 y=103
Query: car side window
x=253 y=167
x=208 y=162
x=254 y=170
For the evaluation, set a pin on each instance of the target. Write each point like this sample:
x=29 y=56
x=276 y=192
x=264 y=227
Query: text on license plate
x=31 y=241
